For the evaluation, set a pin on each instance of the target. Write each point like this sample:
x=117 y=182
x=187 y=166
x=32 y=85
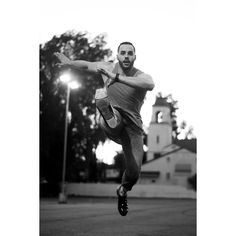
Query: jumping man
x=119 y=103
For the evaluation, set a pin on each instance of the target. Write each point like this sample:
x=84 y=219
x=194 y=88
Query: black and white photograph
x=118 y=147
x=117 y=123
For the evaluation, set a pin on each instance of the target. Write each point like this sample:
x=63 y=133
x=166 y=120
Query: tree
x=192 y=180
x=186 y=131
x=83 y=132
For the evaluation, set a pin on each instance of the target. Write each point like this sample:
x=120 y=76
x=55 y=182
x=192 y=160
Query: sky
x=163 y=33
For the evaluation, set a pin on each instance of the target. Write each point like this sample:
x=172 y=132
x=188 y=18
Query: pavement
x=99 y=217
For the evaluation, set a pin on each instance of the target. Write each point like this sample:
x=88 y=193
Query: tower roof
x=160 y=101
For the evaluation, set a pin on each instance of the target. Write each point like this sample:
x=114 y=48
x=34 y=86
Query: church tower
x=160 y=129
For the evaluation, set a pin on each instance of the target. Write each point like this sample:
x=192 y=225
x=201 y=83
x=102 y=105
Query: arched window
x=159 y=117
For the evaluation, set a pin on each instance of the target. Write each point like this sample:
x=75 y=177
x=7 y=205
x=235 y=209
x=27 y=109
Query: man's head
x=126 y=55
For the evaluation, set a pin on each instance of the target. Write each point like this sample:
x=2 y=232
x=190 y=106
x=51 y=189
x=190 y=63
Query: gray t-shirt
x=128 y=100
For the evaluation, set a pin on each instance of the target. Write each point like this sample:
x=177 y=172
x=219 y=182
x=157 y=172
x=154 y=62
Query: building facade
x=167 y=163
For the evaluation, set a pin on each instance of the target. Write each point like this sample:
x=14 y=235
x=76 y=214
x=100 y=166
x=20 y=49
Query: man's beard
x=126 y=68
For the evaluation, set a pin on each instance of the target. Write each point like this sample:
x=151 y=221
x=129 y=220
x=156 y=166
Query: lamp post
x=67 y=79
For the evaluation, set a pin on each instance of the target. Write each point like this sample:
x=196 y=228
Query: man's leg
x=132 y=144
x=105 y=108
x=110 y=119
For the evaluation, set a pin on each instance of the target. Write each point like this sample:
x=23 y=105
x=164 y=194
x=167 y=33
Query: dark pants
x=131 y=140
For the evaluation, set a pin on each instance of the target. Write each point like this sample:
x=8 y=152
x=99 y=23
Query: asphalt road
x=99 y=217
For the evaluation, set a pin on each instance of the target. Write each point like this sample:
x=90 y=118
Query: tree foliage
x=83 y=132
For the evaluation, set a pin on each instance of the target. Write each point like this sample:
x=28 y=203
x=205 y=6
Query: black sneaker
x=122 y=203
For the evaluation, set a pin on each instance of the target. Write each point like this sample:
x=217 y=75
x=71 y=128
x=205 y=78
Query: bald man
x=119 y=103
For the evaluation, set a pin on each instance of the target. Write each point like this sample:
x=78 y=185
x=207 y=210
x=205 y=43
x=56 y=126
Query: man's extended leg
x=132 y=143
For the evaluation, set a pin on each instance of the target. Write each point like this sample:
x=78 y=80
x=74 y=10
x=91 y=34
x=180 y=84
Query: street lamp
x=66 y=78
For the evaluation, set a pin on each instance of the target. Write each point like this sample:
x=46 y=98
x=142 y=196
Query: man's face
x=126 y=56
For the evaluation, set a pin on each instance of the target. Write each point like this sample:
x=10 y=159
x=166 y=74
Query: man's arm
x=84 y=65
x=79 y=64
x=143 y=81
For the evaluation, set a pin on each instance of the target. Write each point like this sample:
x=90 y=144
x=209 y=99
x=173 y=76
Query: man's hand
x=111 y=76
x=62 y=58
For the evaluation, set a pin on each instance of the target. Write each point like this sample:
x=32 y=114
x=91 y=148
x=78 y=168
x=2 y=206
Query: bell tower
x=160 y=128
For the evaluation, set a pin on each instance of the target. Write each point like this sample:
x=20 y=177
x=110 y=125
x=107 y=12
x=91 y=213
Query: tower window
x=159 y=117
x=158 y=138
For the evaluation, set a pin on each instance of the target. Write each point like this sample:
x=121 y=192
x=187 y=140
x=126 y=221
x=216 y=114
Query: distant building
x=168 y=162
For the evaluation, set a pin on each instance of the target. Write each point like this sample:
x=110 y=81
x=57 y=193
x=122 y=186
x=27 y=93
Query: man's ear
x=134 y=57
